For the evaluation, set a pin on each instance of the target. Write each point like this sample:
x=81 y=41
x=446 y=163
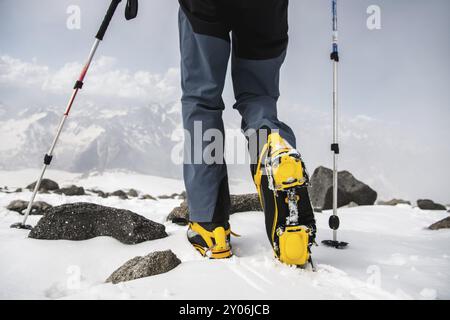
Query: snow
x=111 y=181
x=391 y=254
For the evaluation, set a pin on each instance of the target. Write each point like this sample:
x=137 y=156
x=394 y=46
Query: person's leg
x=205 y=49
x=260 y=41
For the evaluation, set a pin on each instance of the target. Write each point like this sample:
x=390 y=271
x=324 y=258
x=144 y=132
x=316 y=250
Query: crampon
x=281 y=180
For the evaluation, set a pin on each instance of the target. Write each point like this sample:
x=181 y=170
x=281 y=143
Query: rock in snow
x=133 y=193
x=72 y=190
x=441 y=224
x=120 y=193
x=6 y=190
x=245 y=202
x=393 y=202
x=39 y=207
x=99 y=193
x=147 y=197
x=46 y=185
x=426 y=204
x=81 y=221
x=239 y=203
x=180 y=214
x=349 y=189
x=173 y=196
x=139 y=267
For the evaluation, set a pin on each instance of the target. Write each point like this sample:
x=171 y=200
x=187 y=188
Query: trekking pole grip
x=109 y=14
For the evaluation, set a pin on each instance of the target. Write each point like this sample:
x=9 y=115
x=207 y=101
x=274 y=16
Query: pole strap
x=78 y=84
x=47 y=159
x=335 y=148
x=131 y=9
x=109 y=14
x=333 y=222
x=334 y=56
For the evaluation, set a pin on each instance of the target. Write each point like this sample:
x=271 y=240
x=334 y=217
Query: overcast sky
x=394 y=82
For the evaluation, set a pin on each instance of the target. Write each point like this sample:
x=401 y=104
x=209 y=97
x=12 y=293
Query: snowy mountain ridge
x=95 y=138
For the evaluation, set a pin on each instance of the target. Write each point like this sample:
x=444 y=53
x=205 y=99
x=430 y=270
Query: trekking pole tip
x=335 y=244
x=20 y=225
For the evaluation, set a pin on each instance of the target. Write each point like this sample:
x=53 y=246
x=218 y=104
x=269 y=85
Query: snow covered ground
x=391 y=255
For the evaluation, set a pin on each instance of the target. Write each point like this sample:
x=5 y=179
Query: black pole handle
x=109 y=14
x=131 y=9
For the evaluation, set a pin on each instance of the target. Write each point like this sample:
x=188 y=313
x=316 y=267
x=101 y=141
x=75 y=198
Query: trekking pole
x=130 y=13
x=334 y=218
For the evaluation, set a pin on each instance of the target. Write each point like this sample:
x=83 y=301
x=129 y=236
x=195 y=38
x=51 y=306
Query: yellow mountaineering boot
x=283 y=163
x=212 y=240
x=281 y=179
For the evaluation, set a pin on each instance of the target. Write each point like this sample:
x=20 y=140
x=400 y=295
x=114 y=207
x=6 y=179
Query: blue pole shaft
x=335 y=26
x=335 y=58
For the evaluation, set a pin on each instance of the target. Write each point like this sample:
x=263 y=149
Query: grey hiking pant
x=259 y=42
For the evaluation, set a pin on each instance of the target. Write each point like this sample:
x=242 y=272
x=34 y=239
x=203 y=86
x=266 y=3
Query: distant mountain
x=99 y=138
x=94 y=138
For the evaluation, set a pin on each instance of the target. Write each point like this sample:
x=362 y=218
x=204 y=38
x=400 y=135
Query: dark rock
x=132 y=193
x=349 y=189
x=321 y=190
x=38 y=208
x=120 y=193
x=72 y=190
x=181 y=195
x=165 y=196
x=426 y=204
x=6 y=190
x=46 y=185
x=81 y=221
x=147 y=197
x=103 y=194
x=180 y=221
x=360 y=193
x=393 y=202
x=139 y=267
x=99 y=193
x=245 y=202
x=442 y=224
x=239 y=203
x=17 y=206
x=180 y=214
